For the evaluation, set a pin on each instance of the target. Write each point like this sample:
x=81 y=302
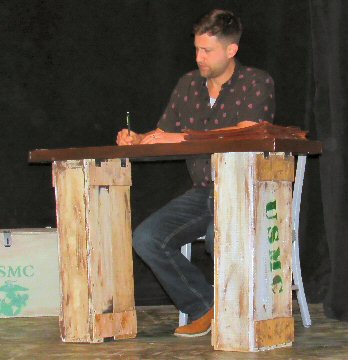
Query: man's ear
x=232 y=50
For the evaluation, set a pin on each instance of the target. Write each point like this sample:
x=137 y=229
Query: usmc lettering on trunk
x=274 y=252
x=16 y=271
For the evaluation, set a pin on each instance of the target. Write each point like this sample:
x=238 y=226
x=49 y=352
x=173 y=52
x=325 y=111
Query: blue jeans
x=159 y=238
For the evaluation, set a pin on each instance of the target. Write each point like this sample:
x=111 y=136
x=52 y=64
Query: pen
x=128 y=123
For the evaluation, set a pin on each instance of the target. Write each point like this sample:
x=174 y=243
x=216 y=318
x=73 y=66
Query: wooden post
x=95 y=250
x=253 y=197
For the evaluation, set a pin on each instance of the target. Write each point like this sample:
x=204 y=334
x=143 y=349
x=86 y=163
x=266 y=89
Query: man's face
x=212 y=55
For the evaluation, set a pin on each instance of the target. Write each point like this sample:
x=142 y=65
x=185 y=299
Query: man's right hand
x=124 y=139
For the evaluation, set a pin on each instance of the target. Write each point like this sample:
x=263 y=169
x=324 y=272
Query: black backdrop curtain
x=70 y=71
x=330 y=50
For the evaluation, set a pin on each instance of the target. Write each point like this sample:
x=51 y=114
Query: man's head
x=217 y=36
x=220 y=23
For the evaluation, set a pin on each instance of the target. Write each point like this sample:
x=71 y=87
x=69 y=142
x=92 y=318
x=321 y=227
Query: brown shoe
x=199 y=327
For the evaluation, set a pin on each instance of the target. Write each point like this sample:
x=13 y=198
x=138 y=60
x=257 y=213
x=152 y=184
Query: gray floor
x=38 y=338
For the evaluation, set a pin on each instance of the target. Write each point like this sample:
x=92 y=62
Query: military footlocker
x=29 y=279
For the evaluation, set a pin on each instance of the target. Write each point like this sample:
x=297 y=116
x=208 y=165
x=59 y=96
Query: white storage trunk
x=29 y=278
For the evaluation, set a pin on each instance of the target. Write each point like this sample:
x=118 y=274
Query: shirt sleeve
x=259 y=102
x=170 y=116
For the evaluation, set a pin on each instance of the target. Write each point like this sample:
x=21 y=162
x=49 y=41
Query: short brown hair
x=220 y=23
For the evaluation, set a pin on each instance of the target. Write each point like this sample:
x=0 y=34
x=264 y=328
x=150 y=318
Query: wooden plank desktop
x=176 y=151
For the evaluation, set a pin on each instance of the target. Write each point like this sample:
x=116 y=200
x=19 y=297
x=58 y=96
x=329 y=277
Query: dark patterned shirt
x=248 y=95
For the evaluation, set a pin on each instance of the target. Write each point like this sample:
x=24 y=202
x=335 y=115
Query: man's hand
x=162 y=137
x=132 y=139
x=157 y=136
x=240 y=125
x=246 y=123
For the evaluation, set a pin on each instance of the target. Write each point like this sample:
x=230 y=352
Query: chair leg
x=186 y=251
x=298 y=284
x=183 y=318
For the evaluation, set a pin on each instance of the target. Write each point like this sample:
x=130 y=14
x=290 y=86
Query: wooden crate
x=95 y=250
x=253 y=237
x=29 y=281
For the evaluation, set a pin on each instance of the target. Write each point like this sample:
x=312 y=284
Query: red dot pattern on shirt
x=250 y=98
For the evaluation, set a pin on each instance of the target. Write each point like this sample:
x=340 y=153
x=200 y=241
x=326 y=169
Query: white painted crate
x=29 y=278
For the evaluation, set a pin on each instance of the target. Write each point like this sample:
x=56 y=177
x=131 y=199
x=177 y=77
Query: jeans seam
x=183 y=278
x=176 y=231
x=171 y=260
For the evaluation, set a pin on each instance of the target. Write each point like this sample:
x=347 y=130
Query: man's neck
x=218 y=81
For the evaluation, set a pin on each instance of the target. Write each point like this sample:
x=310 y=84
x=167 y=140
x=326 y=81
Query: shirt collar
x=229 y=83
x=232 y=79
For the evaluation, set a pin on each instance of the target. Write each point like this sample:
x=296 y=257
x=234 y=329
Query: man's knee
x=143 y=241
x=139 y=237
x=209 y=239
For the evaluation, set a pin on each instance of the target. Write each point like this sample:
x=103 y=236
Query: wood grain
x=71 y=224
x=252 y=250
x=267 y=304
x=110 y=172
x=182 y=150
x=233 y=279
x=275 y=168
x=274 y=332
x=122 y=249
x=95 y=249
x=121 y=325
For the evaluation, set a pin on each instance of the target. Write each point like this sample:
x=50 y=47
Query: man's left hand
x=163 y=138
x=246 y=123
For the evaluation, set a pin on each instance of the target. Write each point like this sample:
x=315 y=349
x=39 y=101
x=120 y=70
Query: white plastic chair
x=296 y=266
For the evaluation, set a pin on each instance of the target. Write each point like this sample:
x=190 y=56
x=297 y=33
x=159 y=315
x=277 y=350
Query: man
x=220 y=94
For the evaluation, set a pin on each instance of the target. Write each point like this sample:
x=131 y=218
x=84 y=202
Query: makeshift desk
x=253 y=195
